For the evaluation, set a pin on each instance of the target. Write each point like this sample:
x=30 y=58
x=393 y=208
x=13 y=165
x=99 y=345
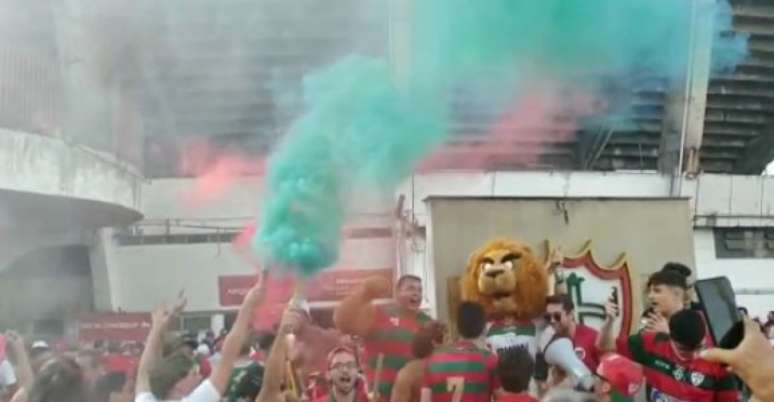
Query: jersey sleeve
x=380 y=316
x=725 y=388
x=633 y=347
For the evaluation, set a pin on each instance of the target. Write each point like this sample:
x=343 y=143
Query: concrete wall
x=714 y=200
x=49 y=166
x=650 y=232
x=748 y=276
x=136 y=278
x=148 y=275
x=731 y=200
x=139 y=276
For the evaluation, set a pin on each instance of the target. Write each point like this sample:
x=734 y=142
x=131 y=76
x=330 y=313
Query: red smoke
x=537 y=123
x=279 y=288
x=279 y=291
x=216 y=171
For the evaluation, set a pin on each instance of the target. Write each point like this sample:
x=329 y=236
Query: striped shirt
x=673 y=379
x=508 y=333
x=391 y=335
x=461 y=372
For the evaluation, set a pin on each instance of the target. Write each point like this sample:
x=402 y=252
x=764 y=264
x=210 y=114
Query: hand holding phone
x=718 y=304
x=611 y=307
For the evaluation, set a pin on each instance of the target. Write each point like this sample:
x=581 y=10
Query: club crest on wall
x=590 y=284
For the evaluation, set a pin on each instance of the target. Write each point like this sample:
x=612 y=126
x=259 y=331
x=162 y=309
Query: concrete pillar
x=104 y=272
x=686 y=100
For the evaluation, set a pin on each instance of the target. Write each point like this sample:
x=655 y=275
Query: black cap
x=687 y=328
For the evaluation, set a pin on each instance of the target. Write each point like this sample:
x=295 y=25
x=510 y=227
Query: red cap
x=624 y=375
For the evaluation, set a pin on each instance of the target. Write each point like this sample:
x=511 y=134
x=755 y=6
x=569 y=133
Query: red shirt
x=392 y=334
x=585 y=340
x=462 y=371
x=205 y=368
x=522 y=397
x=671 y=378
x=120 y=363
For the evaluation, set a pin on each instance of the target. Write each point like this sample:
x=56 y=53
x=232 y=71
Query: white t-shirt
x=205 y=392
x=7 y=374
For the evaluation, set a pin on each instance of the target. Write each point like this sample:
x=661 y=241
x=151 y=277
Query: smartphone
x=718 y=303
x=614 y=299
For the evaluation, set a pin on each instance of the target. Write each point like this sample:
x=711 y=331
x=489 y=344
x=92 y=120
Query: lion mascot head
x=507 y=279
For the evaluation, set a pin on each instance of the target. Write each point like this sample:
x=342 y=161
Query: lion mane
x=507 y=279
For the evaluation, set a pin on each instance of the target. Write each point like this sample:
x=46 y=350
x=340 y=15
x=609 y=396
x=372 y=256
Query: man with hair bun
x=667 y=293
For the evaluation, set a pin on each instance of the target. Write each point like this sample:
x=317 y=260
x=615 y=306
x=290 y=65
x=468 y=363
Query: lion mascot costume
x=508 y=279
x=512 y=284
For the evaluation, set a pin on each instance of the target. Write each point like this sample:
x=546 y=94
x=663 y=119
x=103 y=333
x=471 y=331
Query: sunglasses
x=551 y=317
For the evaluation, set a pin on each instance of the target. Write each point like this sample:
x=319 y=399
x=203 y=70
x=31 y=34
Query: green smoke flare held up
x=359 y=129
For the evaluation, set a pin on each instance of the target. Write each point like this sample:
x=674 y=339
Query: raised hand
x=611 y=310
x=180 y=304
x=375 y=287
x=257 y=294
x=162 y=315
x=752 y=360
x=15 y=340
x=555 y=258
x=655 y=322
x=292 y=321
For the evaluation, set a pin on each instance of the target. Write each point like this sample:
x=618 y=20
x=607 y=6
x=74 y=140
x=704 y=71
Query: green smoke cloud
x=359 y=128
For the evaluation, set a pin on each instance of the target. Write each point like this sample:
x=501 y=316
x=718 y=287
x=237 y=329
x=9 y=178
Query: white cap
x=40 y=345
x=203 y=349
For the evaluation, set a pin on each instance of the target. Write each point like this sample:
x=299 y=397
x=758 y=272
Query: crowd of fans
x=397 y=353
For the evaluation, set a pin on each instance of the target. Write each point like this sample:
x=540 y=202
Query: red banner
x=331 y=285
x=113 y=326
x=233 y=288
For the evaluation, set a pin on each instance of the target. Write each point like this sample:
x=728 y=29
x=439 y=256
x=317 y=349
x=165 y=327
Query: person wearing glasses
x=346 y=384
x=560 y=314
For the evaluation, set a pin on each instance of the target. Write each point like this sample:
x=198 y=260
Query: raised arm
x=606 y=339
x=236 y=337
x=274 y=371
x=752 y=360
x=160 y=319
x=556 y=281
x=356 y=313
x=23 y=366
